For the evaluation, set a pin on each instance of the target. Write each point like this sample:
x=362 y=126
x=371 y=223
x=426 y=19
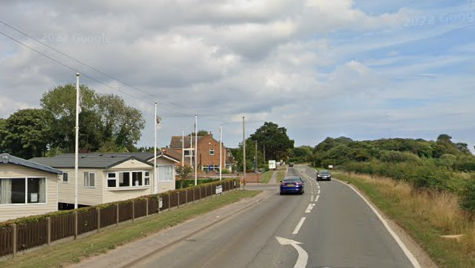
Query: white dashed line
x=299 y=225
x=309 y=208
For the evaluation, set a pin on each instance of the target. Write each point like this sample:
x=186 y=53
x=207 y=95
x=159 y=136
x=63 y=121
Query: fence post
x=169 y=200
x=48 y=220
x=159 y=197
x=133 y=210
x=75 y=224
x=98 y=212
x=15 y=238
x=186 y=196
x=146 y=208
x=117 y=216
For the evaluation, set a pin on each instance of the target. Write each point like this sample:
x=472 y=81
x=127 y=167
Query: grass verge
x=426 y=216
x=280 y=175
x=266 y=176
x=73 y=251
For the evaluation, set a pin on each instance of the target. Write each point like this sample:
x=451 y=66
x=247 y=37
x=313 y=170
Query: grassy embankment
x=73 y=251
x=427 y=216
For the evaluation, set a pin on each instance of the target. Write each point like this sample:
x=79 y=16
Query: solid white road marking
x=409 y=255
x=303 y=255
x=316 y=199
x=299 y=225
x=318 y=191
x=309 y=208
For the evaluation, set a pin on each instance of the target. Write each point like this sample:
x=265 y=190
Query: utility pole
x=155 y=178
x=244 y=151
x=191 y=152
x=220 y=151
x=182 y=147
x=196 y=149
x=256 y=158
x=76 y=146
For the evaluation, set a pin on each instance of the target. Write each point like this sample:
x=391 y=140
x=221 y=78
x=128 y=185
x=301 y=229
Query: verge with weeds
x=428 y=216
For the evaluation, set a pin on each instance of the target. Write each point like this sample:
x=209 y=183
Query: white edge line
x=299 y=225
x=408 y=253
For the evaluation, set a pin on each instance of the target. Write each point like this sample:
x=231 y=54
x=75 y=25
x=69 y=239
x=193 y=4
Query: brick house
x=208 y=152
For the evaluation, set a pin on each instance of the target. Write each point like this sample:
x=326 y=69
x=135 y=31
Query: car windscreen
x=324 y=172
x=291 y=180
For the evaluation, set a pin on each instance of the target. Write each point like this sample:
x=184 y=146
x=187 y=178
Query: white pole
x=182 y=147
x=190 y=153
x=155 y=178
x=220 y=151
x=76 y=146
x=244 y=150
x=196 y=149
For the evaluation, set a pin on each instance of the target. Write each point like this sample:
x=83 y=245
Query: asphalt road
x=328 y=226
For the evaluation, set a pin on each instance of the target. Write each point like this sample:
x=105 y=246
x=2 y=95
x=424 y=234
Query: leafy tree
x=25 y=133
x=61 y=102
x=275 y=140
x=122 y=124
x=302 y=153
x=183 y=172
x=105 y=122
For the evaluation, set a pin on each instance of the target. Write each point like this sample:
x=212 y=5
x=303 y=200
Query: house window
x=22 y=190
x=211 y=151
x=147 y=178
x=165 y=173
x=124 y=179
x=137 y=178
x=89 y=179
x=111 y=180
x=128 y=179
x=66 y=177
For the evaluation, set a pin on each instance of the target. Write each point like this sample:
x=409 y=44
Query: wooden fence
x=31 y=232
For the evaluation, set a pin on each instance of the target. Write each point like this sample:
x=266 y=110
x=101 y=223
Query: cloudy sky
x=363 y=69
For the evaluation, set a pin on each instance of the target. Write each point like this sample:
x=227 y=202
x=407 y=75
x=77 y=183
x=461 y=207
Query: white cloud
x=269 y=60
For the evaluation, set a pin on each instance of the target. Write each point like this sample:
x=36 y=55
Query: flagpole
x=220 y=151
x=155 y=178
x=196 y=149
x=76 y=146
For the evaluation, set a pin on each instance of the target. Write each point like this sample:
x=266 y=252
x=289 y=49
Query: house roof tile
x=10 y=159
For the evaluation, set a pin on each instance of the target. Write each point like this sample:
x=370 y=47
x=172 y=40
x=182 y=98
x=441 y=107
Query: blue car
x=292 y=185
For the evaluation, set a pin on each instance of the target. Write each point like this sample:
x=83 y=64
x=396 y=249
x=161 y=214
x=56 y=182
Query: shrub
x=467 y=201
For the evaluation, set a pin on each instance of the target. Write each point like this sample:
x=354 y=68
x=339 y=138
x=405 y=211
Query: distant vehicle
x=324 y=175
x=272 y=164
x=292 y=185
x=291 y=164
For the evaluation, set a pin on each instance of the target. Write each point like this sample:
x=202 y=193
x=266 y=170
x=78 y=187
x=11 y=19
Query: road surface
x=328 y=226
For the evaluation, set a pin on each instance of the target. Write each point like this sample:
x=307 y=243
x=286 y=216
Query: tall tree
x=106 y=123
x=122 y=124
x=61 y=102
x=275 y=140
x=25 y=133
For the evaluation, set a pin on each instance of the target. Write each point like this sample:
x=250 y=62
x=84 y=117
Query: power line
x=87 y=65
x=85 y=75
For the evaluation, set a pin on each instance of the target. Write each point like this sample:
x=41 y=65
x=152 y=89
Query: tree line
x=440 y=165
x=106 y=123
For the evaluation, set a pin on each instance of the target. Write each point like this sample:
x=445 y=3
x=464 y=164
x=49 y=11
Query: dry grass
x=426 y=215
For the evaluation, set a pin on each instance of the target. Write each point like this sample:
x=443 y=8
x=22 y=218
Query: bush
x=467 y=201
